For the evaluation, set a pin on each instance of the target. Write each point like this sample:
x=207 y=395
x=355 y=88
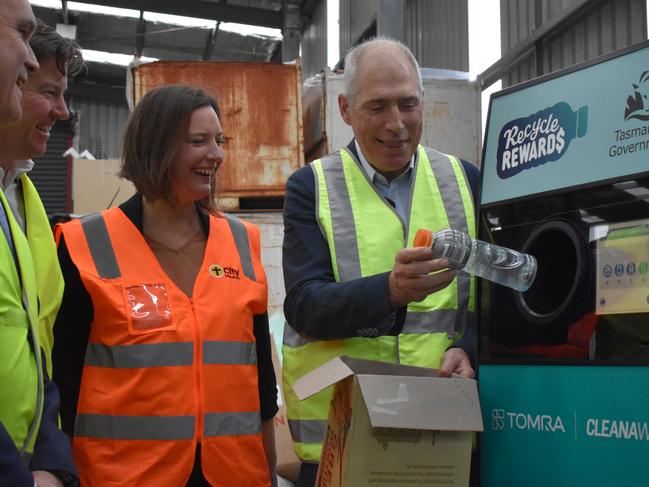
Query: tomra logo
x=501 y=420
x=528 y=142
x=497 y=419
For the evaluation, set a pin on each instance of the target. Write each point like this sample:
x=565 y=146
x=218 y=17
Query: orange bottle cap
x=423 y=238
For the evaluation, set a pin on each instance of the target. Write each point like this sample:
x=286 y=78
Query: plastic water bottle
x=498 y=264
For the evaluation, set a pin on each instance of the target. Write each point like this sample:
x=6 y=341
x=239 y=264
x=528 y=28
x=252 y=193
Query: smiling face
x=386 y=111
x=17 y=24
x=199 y=156
x=42 y=105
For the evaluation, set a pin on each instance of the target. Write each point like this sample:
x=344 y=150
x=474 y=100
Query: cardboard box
x=96 y=186
x=394 y=425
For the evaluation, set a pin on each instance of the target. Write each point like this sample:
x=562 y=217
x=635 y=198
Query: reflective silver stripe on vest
x=443 y=320
x=135 y=427
x=141 y=355
x=307 y=430
x=229 y=353
x=456 y=214
x=449 y=189
x=243 y=246
x=342 y=218
x=292 y=338
x=229 y=424
x=101 y=249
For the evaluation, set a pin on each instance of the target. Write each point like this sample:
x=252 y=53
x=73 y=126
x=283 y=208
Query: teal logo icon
x=637 y=104
x=543 y=137
x=498 y=419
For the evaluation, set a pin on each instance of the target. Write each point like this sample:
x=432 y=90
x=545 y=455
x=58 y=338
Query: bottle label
x=543 y=137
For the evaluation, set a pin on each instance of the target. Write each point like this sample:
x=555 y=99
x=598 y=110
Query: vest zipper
x=198 y=364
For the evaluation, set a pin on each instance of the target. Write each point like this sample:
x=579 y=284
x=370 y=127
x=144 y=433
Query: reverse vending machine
x=564 y=367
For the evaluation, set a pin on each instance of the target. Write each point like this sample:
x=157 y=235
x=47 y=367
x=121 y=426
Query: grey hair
x=354 y=55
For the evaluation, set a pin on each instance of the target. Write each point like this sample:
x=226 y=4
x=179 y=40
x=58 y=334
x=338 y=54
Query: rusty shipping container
x=261 y=116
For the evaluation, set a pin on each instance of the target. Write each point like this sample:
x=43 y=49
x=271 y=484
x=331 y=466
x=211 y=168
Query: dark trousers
x=308 y=473
x=197 y=479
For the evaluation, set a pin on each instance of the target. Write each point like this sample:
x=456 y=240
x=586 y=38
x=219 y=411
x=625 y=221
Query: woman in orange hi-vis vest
x=162 y=350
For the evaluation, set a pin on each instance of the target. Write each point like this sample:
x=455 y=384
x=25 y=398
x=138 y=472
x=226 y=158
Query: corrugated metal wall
x=598 y=28
x=354 y=18
x=435 y=30
x=50 y=172
x=100 y=126
x=314 y=42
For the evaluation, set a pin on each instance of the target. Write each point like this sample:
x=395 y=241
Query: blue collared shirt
x=397 y=191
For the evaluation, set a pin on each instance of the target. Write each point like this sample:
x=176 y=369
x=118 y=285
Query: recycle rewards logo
x=543 y=137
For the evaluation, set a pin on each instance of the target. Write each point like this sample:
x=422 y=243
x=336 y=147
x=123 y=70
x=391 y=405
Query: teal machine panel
x=563 y=368
x=589 y=427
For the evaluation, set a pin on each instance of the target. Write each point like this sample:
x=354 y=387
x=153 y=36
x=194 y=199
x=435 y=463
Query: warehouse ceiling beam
x=110 y=33
x=210 y=42
x=524 y=48
x=202 y=9
x=291 y=30
x=141 y=32
x=64 y=11
x=307 y=9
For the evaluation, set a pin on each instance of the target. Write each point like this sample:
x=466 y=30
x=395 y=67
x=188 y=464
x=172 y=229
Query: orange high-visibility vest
x=163 y=371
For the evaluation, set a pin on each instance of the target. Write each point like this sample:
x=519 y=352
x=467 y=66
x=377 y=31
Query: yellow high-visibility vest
x=21 y=372
x=49 y=279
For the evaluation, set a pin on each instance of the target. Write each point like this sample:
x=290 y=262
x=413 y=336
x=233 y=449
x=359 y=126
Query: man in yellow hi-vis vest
x=33 y=451
x=355 y=284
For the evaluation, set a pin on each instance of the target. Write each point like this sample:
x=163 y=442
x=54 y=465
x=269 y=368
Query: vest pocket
x=148 y=309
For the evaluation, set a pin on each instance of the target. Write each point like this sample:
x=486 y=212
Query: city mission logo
x=218 y=271
x=509 y=420
x=543 y=137
x=635 y=139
